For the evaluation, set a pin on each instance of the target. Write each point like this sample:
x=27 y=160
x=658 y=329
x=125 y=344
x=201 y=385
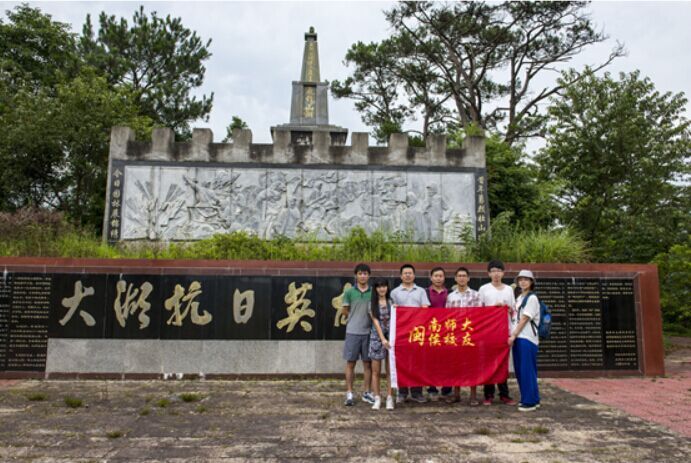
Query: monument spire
x=310 y=58
x=309 y=108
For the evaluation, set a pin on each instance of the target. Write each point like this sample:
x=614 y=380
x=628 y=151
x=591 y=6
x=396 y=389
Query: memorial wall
x=192 y=191
x=307 y=183
x=66 y=317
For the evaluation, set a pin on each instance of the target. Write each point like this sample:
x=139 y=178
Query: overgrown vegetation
x=46 y=234
x=43 y=234
x=675 y=273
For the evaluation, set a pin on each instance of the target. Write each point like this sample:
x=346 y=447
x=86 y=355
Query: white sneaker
x=389 y=403
x=377 y=403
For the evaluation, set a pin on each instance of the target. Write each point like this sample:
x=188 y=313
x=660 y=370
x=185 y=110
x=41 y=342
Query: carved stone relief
x=175 y=203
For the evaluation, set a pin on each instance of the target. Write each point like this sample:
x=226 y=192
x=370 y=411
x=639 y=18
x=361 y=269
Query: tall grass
x=41 y=235
x=512 y=243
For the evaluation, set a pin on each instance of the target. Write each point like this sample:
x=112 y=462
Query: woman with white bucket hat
x=524 y=341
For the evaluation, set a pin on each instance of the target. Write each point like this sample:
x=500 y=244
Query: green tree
x=619 y=150
x=391 y=83
x=375 y=88
x=36 y=54
x=158 y=59
x=54 y=149
x=514 y=187
x=483 y=58
x=35 y=51
x=236 y=123
x=675 y=293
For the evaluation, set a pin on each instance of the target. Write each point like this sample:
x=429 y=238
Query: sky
x=257 y=48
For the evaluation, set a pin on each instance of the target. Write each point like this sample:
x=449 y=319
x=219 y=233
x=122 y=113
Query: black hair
x=375 y=295
x=519 y=290
x=405 y=266
x=495 y=264
x=462 y=269
x=362 y=268
x=436 y=269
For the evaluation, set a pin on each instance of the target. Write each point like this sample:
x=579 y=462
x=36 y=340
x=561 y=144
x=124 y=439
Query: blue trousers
x=525 y=368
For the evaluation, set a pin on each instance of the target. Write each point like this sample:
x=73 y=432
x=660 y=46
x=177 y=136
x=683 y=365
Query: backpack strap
x=525 y=301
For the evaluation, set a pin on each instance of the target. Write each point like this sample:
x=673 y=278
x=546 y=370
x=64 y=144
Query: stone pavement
x=305 y=420
x=666 y=400
x=581 y=420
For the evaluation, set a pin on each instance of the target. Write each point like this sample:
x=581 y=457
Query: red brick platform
x=663 y=400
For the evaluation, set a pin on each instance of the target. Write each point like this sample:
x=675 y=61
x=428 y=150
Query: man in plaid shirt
x=463 y=296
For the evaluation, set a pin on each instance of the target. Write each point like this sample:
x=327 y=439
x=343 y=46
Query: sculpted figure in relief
x=320 y=204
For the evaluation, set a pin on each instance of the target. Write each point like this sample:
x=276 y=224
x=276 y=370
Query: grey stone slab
x=162 y=139
x=259 y=357
x=85 y=356
x=295 y=357
x=320 y=208
x=201 y=139
x=458 y=196
x=143 y=356
x=119 y=137
x=424 y=206
x=355 y=201
x=190 y=203
x=181 y=356
x=389 y=200
x=329 y=357
x=140 y=193
x=239 y=357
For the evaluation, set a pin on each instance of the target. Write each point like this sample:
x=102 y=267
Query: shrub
x=190 y=397
x=44 y=234
x=674 y=269
x=73 y=402
x=512 y=243
x=36 y=397
x=162 y=403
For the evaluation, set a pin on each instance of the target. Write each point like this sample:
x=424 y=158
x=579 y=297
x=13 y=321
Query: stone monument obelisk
x=309 y=108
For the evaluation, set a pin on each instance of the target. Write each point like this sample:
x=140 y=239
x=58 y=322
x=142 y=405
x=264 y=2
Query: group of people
x=368 y=307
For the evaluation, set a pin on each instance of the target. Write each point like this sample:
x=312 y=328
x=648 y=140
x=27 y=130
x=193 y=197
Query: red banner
x=449 y=347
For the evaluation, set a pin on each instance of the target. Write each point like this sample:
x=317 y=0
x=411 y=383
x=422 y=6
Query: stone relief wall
x=189 y=203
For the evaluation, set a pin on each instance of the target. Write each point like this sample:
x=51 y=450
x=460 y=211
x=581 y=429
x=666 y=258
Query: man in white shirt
x=492 y=294
x=408 y=294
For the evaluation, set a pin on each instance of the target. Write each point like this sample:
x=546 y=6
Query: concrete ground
x=305 y=420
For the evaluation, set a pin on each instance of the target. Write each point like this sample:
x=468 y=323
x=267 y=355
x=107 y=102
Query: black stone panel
x=27 y=337
x=189 y=305
x=5 y=308
x=330 y=296
x=593 y=328
x=133 y=306
x=291 y=316
x=87 y=320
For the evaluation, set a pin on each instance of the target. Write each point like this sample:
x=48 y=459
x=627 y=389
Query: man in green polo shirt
x=356 y=303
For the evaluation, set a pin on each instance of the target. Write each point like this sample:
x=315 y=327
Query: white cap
x=526 y=274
